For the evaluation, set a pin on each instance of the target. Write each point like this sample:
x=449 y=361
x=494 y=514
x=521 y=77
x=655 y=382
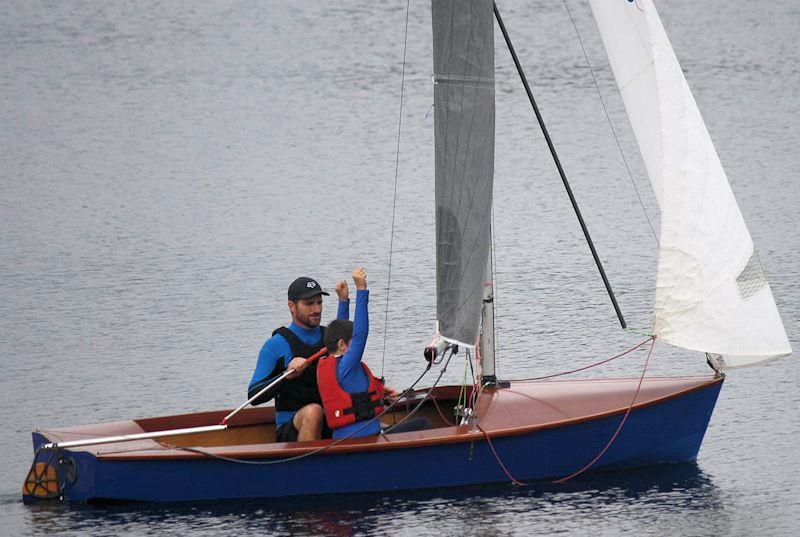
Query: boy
x=350 y=392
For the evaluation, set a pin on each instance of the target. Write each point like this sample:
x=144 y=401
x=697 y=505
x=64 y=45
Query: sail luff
x=711 y=292
x=463 y=62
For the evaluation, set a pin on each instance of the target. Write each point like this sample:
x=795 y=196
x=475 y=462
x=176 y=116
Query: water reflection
x=678 y=497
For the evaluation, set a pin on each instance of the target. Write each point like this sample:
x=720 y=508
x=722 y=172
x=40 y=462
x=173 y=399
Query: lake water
x=167 y=169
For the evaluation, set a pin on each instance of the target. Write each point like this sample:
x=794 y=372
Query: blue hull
x=666 y=431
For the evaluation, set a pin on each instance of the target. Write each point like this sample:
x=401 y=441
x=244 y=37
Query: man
x=298 y=406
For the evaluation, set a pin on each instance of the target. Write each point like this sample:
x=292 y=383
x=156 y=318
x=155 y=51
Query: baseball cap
x=304 y=287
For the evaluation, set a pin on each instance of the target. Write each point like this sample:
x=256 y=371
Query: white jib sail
x=711 y=292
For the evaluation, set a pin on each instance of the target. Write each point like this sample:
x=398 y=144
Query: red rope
x=621 y=423
x=516 y=481
x=592 y=365
x=499 y=461
x=441 y=414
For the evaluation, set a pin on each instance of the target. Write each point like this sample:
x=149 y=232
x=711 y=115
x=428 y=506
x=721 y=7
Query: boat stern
x=58 y=474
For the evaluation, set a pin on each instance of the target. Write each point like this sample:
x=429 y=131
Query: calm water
x=168 y=169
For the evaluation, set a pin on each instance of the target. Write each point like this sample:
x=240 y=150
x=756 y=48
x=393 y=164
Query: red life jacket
x=343 y=408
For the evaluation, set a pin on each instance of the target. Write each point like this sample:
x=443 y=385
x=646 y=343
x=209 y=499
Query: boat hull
x=669 y=429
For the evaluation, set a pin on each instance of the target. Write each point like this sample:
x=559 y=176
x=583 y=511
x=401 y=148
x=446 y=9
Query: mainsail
x=711 y=291
x=463 y=66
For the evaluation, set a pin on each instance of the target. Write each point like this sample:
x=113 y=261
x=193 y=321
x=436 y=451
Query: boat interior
x=257 y=425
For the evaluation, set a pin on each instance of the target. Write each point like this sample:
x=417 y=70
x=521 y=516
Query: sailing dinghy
x=711 y=296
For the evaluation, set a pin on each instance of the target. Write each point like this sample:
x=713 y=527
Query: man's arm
x=343 y=292
x=271 y=363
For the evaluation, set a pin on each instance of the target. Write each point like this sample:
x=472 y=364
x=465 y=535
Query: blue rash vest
x=349 y=372
x=277 y=348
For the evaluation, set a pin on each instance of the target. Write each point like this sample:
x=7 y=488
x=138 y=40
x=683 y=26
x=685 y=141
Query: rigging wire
x=610 y=124
x=394 y=198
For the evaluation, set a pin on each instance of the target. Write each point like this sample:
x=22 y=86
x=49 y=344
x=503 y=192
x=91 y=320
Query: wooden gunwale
x=452 y=435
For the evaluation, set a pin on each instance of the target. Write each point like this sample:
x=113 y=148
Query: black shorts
x=288 y=432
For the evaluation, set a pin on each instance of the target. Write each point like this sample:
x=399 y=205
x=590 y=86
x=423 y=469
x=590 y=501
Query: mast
x=486 y=348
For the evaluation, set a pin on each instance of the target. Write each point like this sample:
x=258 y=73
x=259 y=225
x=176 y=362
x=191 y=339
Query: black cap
x=304 y=288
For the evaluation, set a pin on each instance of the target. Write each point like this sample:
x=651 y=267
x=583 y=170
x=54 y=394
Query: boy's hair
x=338 y=329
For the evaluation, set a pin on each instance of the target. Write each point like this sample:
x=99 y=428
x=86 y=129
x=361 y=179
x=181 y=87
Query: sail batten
x=711 y=292
x=463 y=64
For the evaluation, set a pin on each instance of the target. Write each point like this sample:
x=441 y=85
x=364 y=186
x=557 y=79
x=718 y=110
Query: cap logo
x=311 y=285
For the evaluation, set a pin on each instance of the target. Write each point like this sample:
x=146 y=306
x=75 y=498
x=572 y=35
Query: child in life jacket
x=350 y=392
x=351 y=395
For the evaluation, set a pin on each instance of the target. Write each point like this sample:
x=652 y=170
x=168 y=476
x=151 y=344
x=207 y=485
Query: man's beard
x=311 y=322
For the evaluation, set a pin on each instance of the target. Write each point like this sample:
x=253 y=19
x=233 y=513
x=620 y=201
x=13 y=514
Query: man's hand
x=342 y=291
x=390 y=393
x=360 y=278
x=296 y=366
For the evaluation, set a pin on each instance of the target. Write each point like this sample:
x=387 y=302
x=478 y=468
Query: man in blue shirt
x=298 y=406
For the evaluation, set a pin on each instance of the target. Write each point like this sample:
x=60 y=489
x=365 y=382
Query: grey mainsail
x=463 y=66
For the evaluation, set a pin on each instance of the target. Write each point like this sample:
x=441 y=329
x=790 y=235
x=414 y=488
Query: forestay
x=711 y=291
x=463 y=66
